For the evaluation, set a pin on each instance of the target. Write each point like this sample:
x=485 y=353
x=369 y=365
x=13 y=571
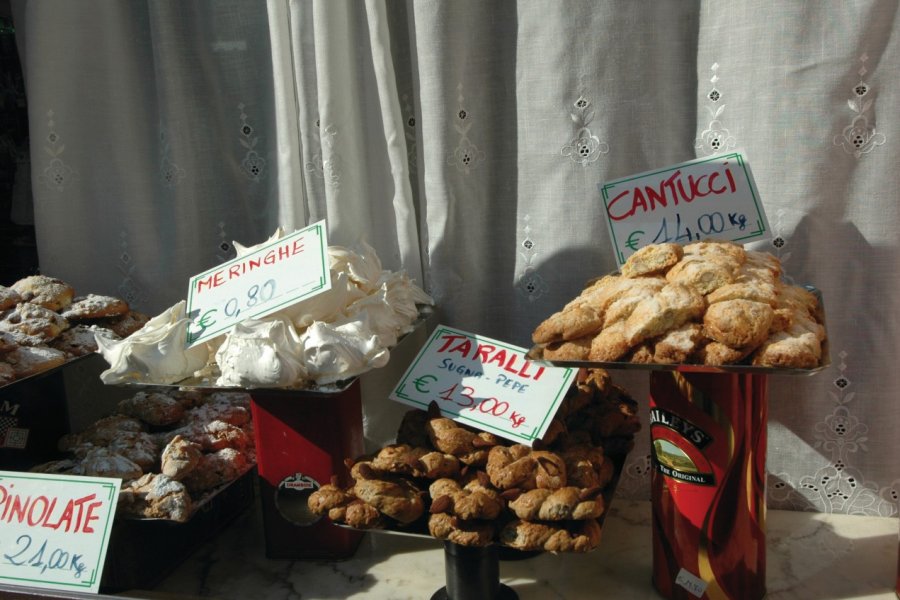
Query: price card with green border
x=54 y=529
x=485 y=383
x=283 y=272
x=711 y=197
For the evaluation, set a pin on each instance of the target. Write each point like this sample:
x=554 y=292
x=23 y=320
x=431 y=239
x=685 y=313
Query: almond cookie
x=49 y=292
x=124 y=325
x=30 y=321
x=94 y=306
x=475 y=500
x=651 y=259
x=402 y=459
x=673 y=306
x=399 y=500
x=727 y=252
x=30 y=360
x=519 y=466
x=470 y=447
x=155 y=496
x=9 y=297
x=458 y=531
x=79 y=340
x=579 y=349
x=215 y=469
x=564 y=504
x=574 y=536
x=180 y=457
x=676 y=346
x=701 y=274
x=751 y=289
x=153 y=408
x=738 y=323
x=610 y=344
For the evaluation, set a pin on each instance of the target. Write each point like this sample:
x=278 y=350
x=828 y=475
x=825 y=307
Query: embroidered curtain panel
x=465 y=141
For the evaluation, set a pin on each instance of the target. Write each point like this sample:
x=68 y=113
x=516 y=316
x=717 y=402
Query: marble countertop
x=809 y=555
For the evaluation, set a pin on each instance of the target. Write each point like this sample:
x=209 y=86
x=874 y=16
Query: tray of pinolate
x=484 y=496
x=705 y=307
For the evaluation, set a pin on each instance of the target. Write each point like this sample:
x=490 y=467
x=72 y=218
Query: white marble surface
x=809 y=555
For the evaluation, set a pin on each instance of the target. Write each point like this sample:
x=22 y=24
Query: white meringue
x=261 y=353
x=333 y=352
x=155 y=353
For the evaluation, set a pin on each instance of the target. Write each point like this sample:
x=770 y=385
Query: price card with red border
x=485 y=383
x=283 y=272
x=711 y=197
x=54 y=529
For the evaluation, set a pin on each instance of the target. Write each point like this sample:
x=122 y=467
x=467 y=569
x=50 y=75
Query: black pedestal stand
x=472 y=574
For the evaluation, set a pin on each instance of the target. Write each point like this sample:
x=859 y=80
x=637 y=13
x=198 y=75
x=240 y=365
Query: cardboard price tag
x=277 y=275
x=712 y=197
x=484 y=383
x=54 y=529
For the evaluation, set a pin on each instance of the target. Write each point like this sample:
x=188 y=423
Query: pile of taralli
x=708 y=303
x=475 y=489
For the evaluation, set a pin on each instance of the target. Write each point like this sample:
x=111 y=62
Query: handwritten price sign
x=484 y=383
x=714 y=197
x=277 y=275
x=54 y=529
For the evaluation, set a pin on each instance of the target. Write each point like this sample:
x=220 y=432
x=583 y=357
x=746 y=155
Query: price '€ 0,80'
x=484 y=383
x=256 y=295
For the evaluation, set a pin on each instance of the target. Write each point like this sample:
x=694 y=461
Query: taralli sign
x=713 y=197
x=54 y=529
x=273 y=277
x=485 y=383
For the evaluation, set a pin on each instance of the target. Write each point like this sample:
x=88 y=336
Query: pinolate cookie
x=94 y=306
x=30 y=360
x=48 y=292
x=79 y=340
x=29 y=322
x=9 y=297
x=7 y=373
x=126 y=324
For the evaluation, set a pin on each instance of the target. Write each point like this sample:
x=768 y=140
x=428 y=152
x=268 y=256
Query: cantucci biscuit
x=651 y=259
x=674 y=305
x=738 y=323
x=701 y=275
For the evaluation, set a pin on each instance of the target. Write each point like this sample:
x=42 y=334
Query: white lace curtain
x=465 y=140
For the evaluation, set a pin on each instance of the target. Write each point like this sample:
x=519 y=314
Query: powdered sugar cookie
x=126 y=324
x=32 y=321
x=79 y=340
x=95 y=306
x=8 y=297
x=48 y=292
x=7 y=373
x=29 y=360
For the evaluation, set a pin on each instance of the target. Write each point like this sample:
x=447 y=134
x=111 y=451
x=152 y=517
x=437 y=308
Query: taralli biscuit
x=399 y=500
x=576 y=536
x=564 y=504
x=652 y=259
x=402 y=459
x=518 y=466
x=49 y=292
x=94 y=306
x=9 y=297
x=459 y=531
x=474 y=501
x=469 y=446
